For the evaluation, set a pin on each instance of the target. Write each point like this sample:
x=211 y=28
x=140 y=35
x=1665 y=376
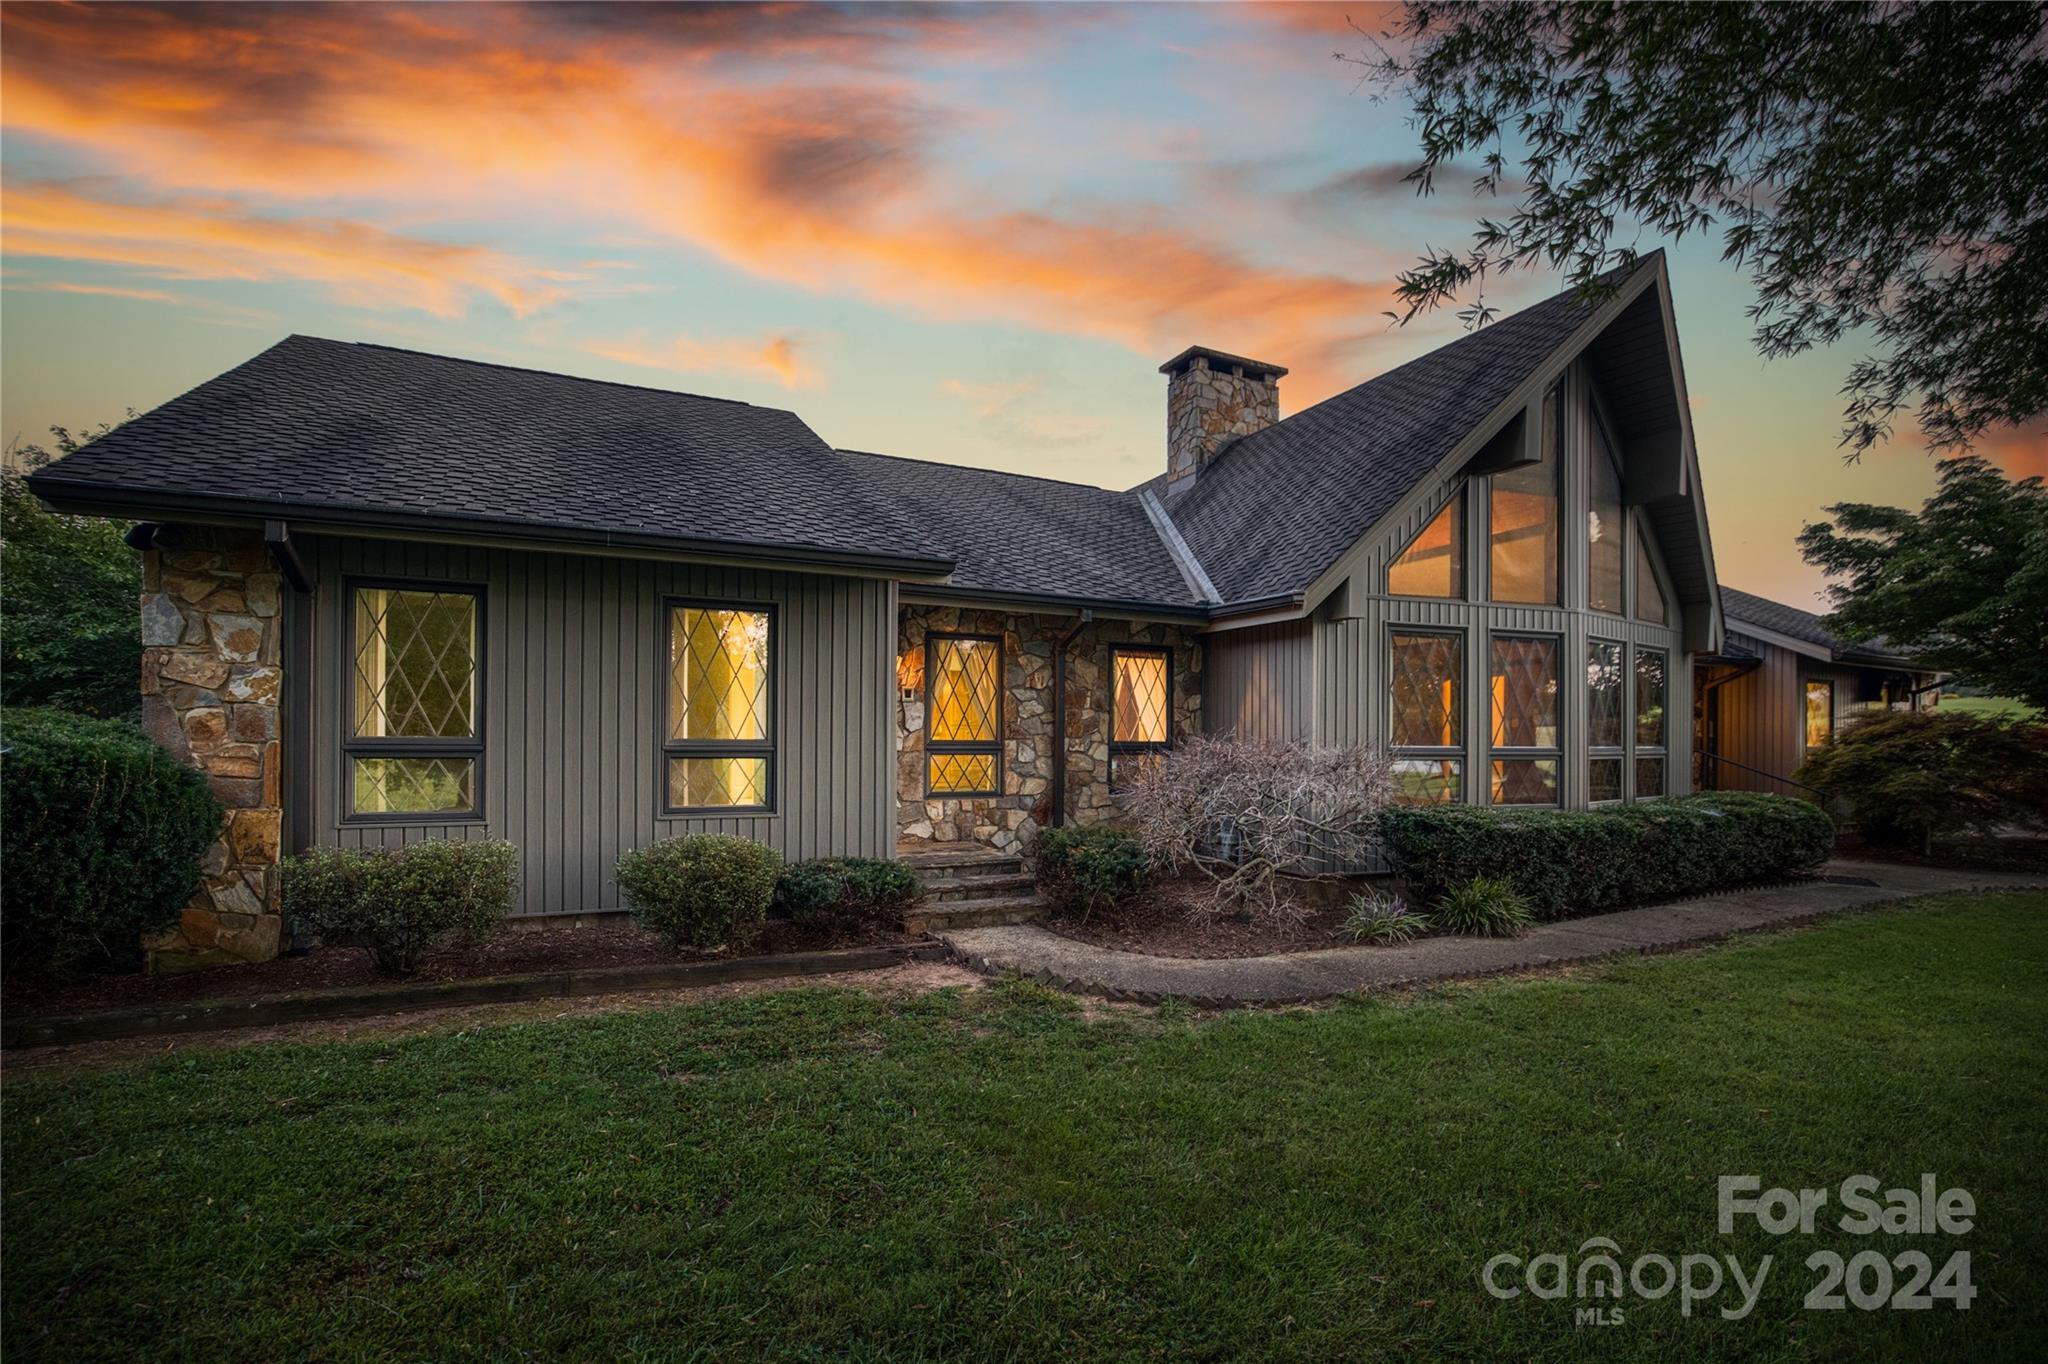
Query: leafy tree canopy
x=70 y=636
x=1962 y=583
x=1877 y=168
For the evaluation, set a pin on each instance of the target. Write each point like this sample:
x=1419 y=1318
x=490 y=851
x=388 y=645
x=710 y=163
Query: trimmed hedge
x=702 y=891
x=846 y=885
x=397 y=902
x=1568 y=862
x=101 y=833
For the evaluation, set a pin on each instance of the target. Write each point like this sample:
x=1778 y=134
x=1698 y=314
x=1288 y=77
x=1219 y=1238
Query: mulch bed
x=1960 y=854
x=1159 y=924
x=512 y=953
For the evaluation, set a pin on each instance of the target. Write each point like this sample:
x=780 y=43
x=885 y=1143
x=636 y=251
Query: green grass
x=1989 y=705
x=994 y=1174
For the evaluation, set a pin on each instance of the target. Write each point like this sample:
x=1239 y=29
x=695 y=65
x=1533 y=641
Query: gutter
x=1059 y=717
x=88 y=498
x=948 y=592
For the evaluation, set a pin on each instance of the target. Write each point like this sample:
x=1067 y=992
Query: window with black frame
x=1141 y=711
x=1606 y=719
x=719 y=749
x=1652 y=723
x=963 y=715
x=1426 y=725
x=1528 y=753
x=414 y=737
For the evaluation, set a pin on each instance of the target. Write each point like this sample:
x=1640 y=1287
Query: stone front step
x=968 y=862
x=967 y=889
x=942 y=916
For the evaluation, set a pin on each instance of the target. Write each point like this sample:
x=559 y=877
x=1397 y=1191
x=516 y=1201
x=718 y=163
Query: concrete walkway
x=1294 y=977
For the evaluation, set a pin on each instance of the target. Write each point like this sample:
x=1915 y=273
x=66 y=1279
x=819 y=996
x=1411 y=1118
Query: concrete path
x=1081 y=968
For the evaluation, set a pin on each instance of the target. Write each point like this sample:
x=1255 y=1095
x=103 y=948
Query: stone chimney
x=1212 y=399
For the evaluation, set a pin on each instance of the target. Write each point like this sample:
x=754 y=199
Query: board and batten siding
x=1260 y=682
x=574 y=674
x=1762 y=720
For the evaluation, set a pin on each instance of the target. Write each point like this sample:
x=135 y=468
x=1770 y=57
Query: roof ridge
x=983 y=469
x=531 y=369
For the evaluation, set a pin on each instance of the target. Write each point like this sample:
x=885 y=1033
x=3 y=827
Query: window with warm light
x=1527 y=752
x=415 y=736
x=1820 y=713
x=1523 y=529
x=720 y=747
x=1141 y=711
x=1604 y=526
x=1652 y=723
x=963 y=715
x=1426 y=721
x=1605 y=685
x=1433 y=563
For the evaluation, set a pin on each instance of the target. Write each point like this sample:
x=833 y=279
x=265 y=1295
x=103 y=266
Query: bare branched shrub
x=1242 y=811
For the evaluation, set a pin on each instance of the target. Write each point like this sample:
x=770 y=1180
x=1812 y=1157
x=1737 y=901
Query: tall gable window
x=415 y=732
x=1527 y=740
x=1523 y=533
x=1651 y=722
x=1605 y=687
x=963 y=715
x=1141 y=710
x=1604 y=524
x=1433 y=564
x=720 y=745
x=1427 y=724
x=1649 y=592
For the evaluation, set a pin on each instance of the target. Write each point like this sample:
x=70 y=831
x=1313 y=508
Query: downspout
x=1059 y=717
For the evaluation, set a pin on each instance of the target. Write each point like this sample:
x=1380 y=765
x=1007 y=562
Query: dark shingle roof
x=1278 y=507
x=1780 y=619
x=371 y=428
x=1013 y=533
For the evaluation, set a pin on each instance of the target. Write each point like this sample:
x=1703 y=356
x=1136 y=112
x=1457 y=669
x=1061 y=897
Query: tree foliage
x=1879 y=169
x=1911 y=776
x=69 y=587
x=1961 y=584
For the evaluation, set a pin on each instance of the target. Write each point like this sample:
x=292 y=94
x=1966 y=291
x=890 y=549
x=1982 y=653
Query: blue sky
x=966 y=234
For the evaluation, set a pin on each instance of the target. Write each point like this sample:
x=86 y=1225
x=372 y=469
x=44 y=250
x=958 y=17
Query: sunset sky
x=964 y=234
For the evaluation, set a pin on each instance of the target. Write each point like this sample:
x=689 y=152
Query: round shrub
x=101 y=832
x=877 y=887
x=1085 y=870
x=398 y=902
x=809 y=890
x=701 y=891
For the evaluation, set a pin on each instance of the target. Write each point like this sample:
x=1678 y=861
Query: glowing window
x=719 y=748
x=1523 y=533
x=1604 y=523
x=963 y=715
x=1433 y=563
x=413 y=740
x=1426 y=724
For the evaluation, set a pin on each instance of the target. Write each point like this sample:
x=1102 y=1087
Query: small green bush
x=874 y=886
x=1586 y=861
x=1085 y=870
x=701 y=891
x=809 y=890
x=1910 y=776
x=398 y=902
x=1376 y=917
x=101 y=832
x=1484 y=907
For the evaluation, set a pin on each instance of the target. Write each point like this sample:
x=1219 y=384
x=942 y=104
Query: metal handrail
x=1716 y=758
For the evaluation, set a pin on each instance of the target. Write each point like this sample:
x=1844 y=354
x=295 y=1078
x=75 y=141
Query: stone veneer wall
x=1009 y=822
x=211 y=686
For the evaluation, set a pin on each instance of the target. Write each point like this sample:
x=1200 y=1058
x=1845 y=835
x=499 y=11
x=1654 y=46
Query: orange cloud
x=205 y=239
x=782 y=140
x=775 y=356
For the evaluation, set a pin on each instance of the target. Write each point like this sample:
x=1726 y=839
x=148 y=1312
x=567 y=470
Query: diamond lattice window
x=1524 y=681
x=1426 y=723
x=963 y=714
x=719 y=747
x=1604 y=682
x=1141 y=691
x=413 y=739
x=1649 y=777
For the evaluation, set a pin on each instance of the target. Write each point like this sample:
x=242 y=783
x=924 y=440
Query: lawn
x=1989 y=705
x=1000 y=1174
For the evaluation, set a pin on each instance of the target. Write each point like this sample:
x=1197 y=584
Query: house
x=394 y=596
x=1780 y=686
